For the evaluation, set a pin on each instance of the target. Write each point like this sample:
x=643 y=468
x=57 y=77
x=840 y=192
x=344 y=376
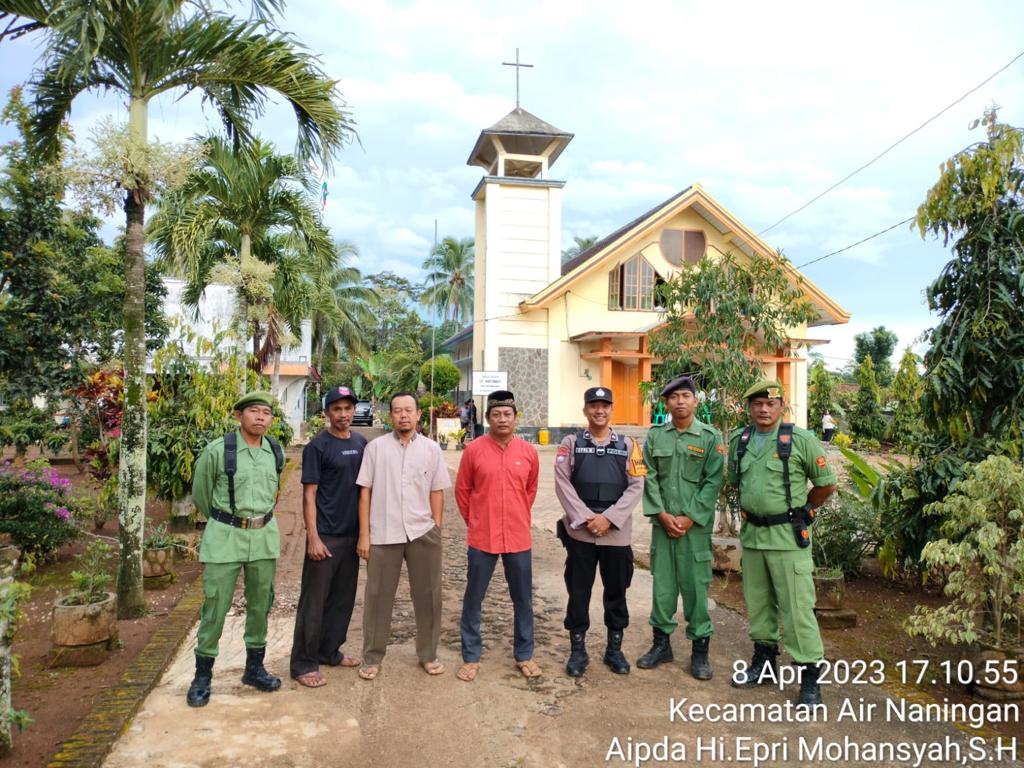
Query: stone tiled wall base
x=95 y=737
x=528 y=380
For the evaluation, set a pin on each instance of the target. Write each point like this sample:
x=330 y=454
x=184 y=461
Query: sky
x=765 y=104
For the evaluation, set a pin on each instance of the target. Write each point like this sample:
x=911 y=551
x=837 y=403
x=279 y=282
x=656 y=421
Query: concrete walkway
x=406 y=718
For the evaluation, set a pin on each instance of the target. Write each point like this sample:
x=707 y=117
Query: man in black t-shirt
x=330 y=502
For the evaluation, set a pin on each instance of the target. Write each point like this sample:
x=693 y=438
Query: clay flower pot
x=830 y=588
x=78 y=625
x=157 y=562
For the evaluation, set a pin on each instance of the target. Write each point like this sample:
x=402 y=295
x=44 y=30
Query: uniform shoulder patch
x=820 y=461
x=720 y=447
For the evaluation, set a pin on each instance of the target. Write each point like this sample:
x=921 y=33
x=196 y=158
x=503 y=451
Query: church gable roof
x=693 y=197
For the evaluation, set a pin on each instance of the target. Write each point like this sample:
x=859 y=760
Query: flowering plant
x=34 y=508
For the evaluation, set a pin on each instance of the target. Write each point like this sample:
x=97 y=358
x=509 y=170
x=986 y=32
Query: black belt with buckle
x=240 y=522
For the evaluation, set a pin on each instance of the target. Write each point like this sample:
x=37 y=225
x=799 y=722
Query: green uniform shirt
x=256 y=483
x=763 y=492
x=684 y=472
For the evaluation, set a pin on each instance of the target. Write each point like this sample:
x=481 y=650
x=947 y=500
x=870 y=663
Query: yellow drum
x=543 y=437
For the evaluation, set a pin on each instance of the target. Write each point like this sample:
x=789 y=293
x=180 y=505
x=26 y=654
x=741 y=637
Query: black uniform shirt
x=332 y=464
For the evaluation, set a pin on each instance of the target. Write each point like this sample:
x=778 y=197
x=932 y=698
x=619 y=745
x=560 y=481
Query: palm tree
x=142 y=49
x=230 y=211
x=344 y=310
x=448 y=287
x=579 y=245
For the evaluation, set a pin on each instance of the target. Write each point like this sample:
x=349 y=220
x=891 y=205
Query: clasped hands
x=675 y=526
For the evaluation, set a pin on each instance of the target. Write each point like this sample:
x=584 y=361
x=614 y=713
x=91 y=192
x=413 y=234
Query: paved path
x=406 y=718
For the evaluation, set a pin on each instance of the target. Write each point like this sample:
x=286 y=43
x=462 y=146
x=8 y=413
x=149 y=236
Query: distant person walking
x=828 y=426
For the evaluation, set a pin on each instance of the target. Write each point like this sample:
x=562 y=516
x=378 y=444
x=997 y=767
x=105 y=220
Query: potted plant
x=442 y=440
x=85 y=619
x=158 y=554
x=460 y=439
x=845 y=530
x=982 y=555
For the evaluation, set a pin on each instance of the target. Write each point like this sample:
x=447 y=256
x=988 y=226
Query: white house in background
x=214 y=315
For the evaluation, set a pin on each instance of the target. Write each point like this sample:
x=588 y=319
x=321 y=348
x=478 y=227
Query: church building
x=557 y=329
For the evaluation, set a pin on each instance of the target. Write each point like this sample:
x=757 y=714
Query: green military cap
x=254 y=398
x=764 y=388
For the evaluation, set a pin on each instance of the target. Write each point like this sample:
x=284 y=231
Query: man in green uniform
x=684 y=459
x=241 y=535
x=777 y=563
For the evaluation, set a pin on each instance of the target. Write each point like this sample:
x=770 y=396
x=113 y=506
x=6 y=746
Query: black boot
x=661 y=650
x=765 y=656
x=578 y=658
x=256 y=674
x=199 y=692
x=613 y=655
x=700 y=664
x=810 y=693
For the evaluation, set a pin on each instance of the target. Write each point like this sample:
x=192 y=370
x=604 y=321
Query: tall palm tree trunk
x=276 y=381
x=131 y=601
x=244 y=255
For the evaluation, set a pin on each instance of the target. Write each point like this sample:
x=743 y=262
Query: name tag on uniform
x=616 y=452
x=584 y=450
x=695 y=449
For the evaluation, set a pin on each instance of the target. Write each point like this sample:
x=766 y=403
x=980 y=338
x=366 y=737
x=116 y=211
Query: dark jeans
x=327 y=596
x=582 y=560
x=519 y=575
x=829 y=433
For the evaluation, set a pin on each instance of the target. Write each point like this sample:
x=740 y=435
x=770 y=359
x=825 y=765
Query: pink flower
x=63 y=513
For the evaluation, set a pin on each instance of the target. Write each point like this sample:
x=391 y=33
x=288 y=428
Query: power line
x=892 y=146
x=854 y=245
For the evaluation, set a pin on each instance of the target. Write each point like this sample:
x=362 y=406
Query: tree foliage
x=821 y=396
x=579 y=245
x=866 y=421
x=446 y=375
x=878 y=344
x=448 y=288
x=905 y=395
x=723 y=315
x=972 y=400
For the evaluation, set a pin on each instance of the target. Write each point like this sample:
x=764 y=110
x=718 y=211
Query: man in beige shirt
x=402 y=480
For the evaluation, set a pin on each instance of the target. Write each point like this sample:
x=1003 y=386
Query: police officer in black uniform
x=598 y=488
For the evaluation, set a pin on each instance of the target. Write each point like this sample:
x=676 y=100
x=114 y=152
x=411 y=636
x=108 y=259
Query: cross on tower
x=517 y=65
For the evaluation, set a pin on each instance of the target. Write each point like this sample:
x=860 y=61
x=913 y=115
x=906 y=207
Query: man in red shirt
x=495 y=489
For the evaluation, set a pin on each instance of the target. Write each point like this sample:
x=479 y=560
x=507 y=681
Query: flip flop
x=529 y=668
x=467 y=673
x=311 y=680
x=370 y=672
x=434 y=667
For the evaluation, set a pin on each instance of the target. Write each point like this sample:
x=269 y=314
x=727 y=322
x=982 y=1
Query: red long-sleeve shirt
x=495 y=489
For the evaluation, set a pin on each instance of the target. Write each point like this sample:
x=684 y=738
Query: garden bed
x=881 y=606
x=59 y=698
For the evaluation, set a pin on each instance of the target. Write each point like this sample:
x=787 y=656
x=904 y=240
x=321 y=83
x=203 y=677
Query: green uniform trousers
x=219 y=581
x=780 y=580
x=681 y=567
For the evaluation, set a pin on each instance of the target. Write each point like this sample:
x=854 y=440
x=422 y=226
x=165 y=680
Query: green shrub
x=842 y=440
x=446 y=375
x=158 y=537
x=92 y=576
x=983 y=549
x=846 y=529
x=34 y=508
x=868 y=444
x=315 y=424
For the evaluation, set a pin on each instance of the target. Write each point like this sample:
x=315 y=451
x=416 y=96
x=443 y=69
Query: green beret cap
x=254 y=398
x=765 y=388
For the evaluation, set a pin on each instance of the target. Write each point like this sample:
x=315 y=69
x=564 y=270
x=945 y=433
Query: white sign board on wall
x=485 y=382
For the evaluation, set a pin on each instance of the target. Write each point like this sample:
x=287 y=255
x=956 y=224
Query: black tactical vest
x=599 y=472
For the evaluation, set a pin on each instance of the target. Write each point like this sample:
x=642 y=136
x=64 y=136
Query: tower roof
x=521 y=133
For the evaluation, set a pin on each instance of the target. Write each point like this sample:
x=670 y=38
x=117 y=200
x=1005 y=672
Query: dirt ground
x=407 y=718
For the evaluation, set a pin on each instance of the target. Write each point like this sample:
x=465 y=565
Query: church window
x=631 y=285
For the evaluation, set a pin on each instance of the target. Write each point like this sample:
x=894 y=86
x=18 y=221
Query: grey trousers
x=422 y=558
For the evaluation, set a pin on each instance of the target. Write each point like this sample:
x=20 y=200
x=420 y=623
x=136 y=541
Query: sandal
x=467 y=672
x=346 y=661
x=529 y=668
x=311 y=680
x=434 y=667
x=369 y=672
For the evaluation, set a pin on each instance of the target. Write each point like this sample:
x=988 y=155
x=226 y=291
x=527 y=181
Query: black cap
x=683 y=382
x=598 y=395
x=339 y=393
x=500 y=397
